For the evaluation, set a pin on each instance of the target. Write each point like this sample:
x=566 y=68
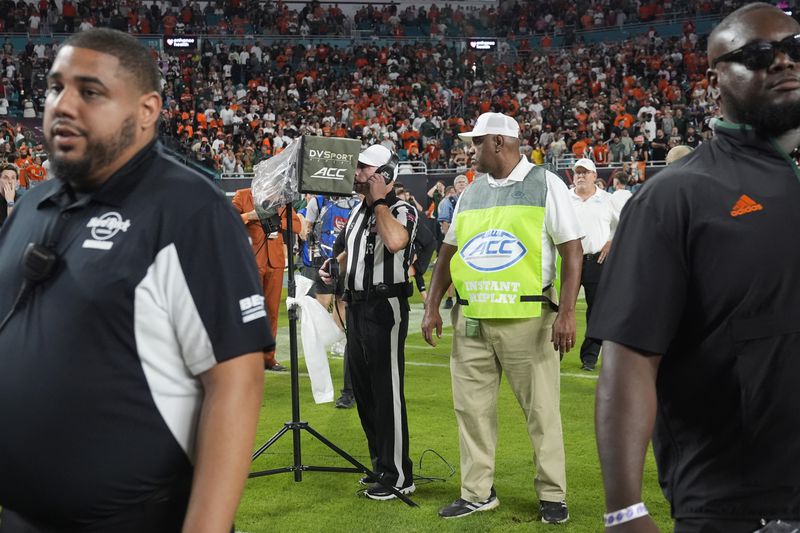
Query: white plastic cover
x=275 y=181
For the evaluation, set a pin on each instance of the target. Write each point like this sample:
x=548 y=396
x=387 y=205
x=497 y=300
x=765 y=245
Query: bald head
x=734 y=30
x=756 y=66
x=677 y=152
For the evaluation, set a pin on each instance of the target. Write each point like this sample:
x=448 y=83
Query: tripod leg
x=360 y=466
x=270 y=442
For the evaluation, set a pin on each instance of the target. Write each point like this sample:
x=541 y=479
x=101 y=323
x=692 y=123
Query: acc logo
x=493 y=250
x=330 y=173
x=104 y=228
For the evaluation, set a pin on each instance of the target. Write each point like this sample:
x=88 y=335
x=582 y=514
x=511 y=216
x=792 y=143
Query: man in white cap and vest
x=500 y=253
x=599 y=216
x=377 y=244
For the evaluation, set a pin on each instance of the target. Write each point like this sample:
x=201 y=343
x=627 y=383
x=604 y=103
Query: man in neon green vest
x=500 y=253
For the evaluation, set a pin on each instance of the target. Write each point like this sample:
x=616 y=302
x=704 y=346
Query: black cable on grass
x=422 y=480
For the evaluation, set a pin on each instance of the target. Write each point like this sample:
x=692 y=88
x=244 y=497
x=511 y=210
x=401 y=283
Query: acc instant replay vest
x=497 y=269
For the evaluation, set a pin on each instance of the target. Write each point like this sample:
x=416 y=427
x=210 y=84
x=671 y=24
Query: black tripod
x=296 y=425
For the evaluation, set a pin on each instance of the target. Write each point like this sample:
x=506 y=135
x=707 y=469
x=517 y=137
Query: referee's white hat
x=375 y=156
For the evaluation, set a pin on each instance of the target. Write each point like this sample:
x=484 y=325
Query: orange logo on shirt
x=745 y=205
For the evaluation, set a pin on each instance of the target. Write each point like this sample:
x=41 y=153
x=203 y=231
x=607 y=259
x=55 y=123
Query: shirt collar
x=518 y=174
x=115 y=189
x=596 y=194
x=736 y=135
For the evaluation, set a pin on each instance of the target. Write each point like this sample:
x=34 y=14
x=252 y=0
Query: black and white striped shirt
x=367 y=257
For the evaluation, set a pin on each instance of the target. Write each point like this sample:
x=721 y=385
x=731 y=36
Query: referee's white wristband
x=637 y=510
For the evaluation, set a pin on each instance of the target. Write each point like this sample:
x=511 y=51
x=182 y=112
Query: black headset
x=389 y=169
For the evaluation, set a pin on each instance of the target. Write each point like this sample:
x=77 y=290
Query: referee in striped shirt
x=377 y=245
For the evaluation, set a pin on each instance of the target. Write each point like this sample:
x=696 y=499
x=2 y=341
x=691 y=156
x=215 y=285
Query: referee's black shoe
x=367 y=480
x=379 y=492
x=462 y=507
x=345 y=401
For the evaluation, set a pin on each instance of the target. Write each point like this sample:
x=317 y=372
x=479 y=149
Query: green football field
x=332 y=502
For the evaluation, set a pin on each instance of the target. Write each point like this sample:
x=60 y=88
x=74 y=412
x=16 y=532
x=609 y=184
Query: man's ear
x=149 y=109
x=711 y=76
x=499 y=141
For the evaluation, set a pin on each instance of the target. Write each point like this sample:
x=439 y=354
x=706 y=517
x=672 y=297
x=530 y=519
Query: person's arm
x=616 y=209
x=304 y=226
x=393 y=234
x=238 y=204
x=625 y=413
x=233 y=391
x=417 y=205
x=440 y=281
x=563 y=335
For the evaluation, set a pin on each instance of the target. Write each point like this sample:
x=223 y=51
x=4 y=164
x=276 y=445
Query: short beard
x=98 y=155
x=768 y=120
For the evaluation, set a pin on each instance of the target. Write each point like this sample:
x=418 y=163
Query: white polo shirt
x=561 y=223
x=599 y=216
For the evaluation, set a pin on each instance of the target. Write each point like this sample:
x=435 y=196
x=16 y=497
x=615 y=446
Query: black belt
x=525 y=298
x=589 y=257
x=381 y=291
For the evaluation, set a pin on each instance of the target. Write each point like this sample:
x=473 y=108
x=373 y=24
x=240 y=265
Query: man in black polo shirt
x=698 y=306
x=377 y=242
x=129 y=387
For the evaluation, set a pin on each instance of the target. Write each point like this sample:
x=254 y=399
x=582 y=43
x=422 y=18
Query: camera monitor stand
x=296 y=426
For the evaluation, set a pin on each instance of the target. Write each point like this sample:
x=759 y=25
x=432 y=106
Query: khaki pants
x=523 y=349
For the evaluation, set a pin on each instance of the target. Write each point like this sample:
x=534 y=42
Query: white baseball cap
x=375 y=156
x=588 y=164
x=492 y=123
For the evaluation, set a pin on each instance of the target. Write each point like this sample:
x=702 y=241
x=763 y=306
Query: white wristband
x=637 y=510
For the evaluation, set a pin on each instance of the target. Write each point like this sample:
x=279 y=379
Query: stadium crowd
x=228 y=106
x=240 y=17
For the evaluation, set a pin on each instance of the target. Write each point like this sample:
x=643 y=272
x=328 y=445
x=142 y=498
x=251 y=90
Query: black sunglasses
x=760 y=54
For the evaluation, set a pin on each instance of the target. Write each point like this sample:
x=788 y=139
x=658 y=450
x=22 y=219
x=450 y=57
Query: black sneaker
x=379 y=492
x=448 y=304
x=367 y=480
x=462 y=507
x=554 y=512
x=345 y=401
x=587 y=367
x=277 y=367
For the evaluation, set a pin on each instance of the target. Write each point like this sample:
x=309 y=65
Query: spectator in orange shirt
x=623 y=120
x=600 y=151
x=266 y=236
x=36 y=173
x=580 y=148
x=23 y=162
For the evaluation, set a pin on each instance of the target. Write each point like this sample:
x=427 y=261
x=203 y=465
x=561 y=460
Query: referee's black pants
x=590 y=279
x=376 y=335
